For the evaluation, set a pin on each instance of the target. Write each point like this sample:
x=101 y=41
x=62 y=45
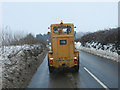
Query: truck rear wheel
x=51 y=69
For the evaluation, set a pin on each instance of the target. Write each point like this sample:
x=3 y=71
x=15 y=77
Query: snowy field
x=11 y=59
x=17 y=62
x=10 y=51
x=106 y=51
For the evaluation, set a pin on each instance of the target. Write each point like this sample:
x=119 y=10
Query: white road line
x=103 y=85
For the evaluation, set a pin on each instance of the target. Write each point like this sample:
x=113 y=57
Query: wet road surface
x=94 y=72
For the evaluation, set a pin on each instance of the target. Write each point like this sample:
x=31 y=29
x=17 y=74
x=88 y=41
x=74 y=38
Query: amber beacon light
x=61 y=21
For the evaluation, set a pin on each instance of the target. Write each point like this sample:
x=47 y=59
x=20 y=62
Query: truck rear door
x=63 y=48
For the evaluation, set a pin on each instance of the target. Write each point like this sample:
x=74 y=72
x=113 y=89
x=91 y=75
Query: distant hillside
x=80 y=34
x=43 y=38
x=104 y=37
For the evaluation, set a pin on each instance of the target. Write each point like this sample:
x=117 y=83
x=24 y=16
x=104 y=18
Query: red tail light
x=51 y=61
x=75 y=60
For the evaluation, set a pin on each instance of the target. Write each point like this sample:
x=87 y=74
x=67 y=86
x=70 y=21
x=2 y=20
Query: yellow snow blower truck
x=63 y=54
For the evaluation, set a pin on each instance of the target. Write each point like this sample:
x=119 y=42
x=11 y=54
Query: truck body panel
x=63 y=52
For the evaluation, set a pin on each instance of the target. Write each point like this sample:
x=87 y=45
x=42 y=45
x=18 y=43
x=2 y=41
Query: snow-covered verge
x=105 y=51
x=19 y=63
x=0 y=75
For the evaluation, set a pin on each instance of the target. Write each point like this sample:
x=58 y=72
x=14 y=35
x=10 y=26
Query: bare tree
x=10 y=37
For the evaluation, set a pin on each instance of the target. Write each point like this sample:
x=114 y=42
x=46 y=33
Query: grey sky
x=37 y=17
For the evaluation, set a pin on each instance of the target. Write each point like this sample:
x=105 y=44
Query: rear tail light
x=75 y=57
x=51 y=58
x=75 y=60
x=51 y=61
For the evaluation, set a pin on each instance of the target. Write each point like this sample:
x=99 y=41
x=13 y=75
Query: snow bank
x=19 y=63
x=0 y=73
x=109 y=51
x=8 y=52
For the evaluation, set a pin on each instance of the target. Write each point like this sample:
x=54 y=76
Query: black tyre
x=51 y=69
x=48 y=61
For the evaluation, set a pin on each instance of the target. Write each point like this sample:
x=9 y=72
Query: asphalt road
x=94 y=72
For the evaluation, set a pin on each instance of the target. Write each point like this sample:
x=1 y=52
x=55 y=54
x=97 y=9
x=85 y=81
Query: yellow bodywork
x=62 y=54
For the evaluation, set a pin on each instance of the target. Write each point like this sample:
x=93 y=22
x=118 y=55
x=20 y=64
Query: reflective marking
x=103 y=85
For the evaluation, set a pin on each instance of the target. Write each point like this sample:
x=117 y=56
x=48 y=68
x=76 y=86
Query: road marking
x=103 y=85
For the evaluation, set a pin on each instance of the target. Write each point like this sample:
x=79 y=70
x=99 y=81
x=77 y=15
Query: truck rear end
x=63 y=54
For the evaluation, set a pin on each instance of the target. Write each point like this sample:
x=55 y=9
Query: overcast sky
x=36 y=17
